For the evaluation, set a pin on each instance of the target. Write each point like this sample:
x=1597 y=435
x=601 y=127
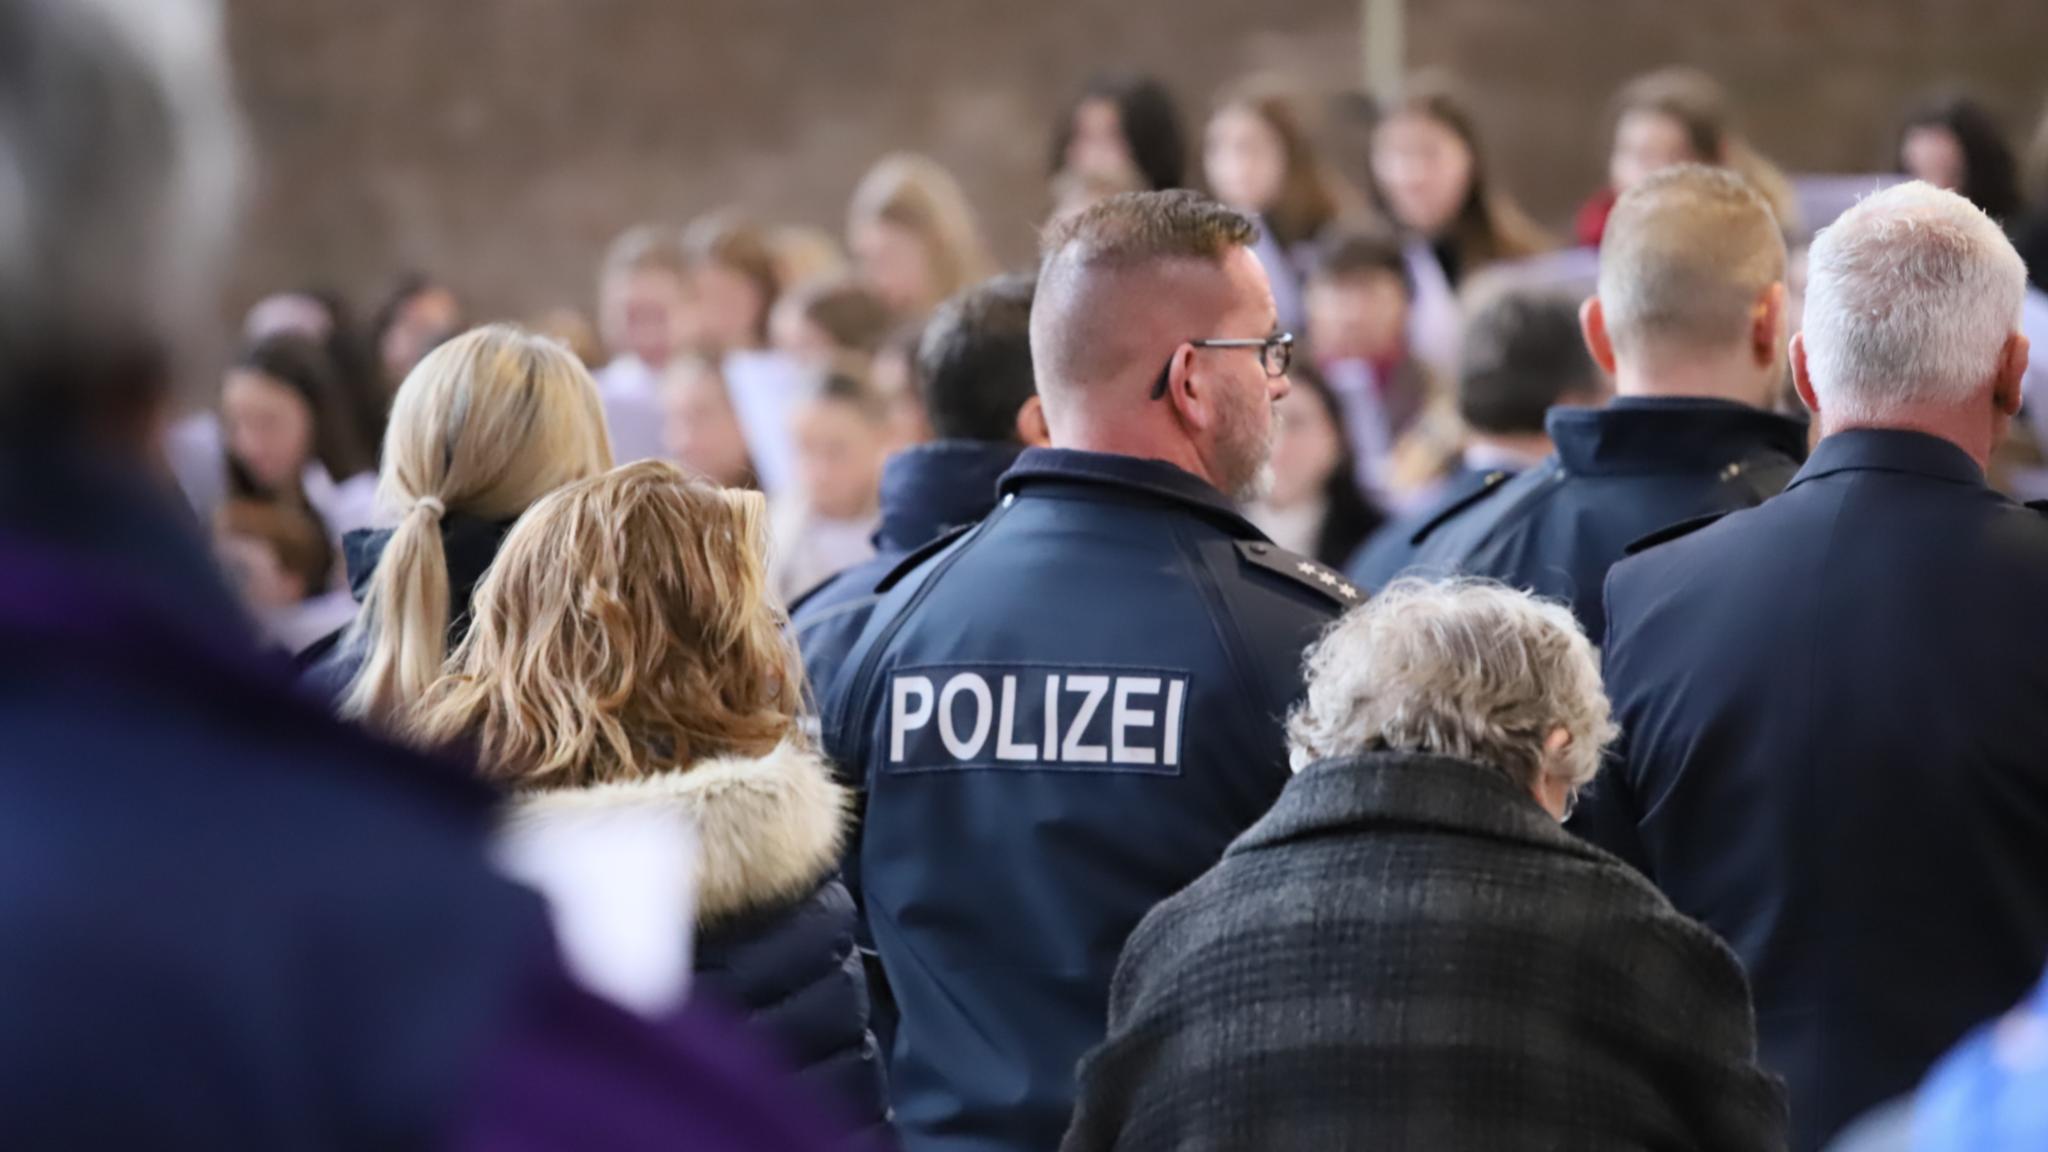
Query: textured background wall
x=502 y=142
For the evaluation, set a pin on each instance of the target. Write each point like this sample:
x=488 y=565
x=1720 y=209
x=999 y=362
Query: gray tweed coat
x=1407 y=952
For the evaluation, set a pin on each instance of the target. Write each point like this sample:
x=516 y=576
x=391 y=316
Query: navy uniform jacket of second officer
x=1063 y=718
x=1620 y=473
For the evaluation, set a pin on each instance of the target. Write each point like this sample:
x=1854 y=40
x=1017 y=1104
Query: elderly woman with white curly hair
x=1408 y=951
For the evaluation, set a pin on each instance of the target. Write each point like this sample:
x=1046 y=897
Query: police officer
x=1690 y=322
x=1834 y=707
x=1066 y=714
x=1520 y=355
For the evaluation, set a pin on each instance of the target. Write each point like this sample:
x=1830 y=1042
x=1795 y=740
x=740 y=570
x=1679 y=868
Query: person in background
x=323 y=316
x=1359 y=300
x=2030 y=230
x=487 y=424
x=1831 y=704
x=418 y=315
x=1124 y=128
x=913 y=235
x=894 y=378
x=1430 y=166
x=828 y=524
x=733 y=283
x=831 y=323
x=289 y=437
x=1143 y=640
x=1680 y=116
x=1690 y=322
x=1952 y=141
x=1407 y=951
x=805 y=254
x=977 y=389
x=229 y=922
x=572 y=330
x=1521 y=355
x=625 y=657
x=700 y=430
x=1076 y=192
x=1260 y=159
x=648 y=317
x=1313 y=505
x=281 y=561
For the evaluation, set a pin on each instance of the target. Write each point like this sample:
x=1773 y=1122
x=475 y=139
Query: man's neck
x=1966 y=430
x=1726 y=376
x=1130 y=438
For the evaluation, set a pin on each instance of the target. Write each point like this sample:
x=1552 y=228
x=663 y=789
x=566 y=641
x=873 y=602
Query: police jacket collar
x=1890 y=450
x=1407 y=790
x=1638 y=434
x=1130 y=473
x=930 y=489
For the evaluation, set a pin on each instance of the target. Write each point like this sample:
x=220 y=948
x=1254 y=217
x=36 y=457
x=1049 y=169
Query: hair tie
x=431 y=505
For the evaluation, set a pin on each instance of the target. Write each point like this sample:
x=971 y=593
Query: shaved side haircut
x=1684 y=259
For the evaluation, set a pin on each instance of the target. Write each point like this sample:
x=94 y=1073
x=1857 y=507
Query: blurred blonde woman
x=914 y=237
x=487 y=424
x=625 y=660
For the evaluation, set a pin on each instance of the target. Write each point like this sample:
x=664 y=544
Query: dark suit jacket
x=1835 y=752
x=1408 y=952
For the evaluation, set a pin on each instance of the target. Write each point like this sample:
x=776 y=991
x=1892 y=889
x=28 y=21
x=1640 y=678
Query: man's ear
x=1593 y=323
x=2009 y=392
x=1032 y=431
x=1802 y=380
x=1767 y=326
x=1188 y=390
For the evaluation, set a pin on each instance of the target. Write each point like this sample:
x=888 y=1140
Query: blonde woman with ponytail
x=486 y=424
x=626 y=660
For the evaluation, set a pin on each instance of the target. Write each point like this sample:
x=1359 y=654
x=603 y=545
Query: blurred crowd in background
x=783 y=357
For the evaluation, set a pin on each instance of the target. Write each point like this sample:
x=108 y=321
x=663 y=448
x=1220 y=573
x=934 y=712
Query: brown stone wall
x=503 y=142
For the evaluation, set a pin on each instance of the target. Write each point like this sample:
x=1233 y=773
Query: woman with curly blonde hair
x=624 y=659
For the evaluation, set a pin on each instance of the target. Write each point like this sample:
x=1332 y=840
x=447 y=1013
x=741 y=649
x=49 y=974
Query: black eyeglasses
x=1275 y=354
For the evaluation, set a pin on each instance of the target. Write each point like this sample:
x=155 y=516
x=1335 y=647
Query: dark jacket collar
x=471 y=545
x=1668 y=434
x=1132 y=474
x=1891 y=450
x=1411 y=789
x=931 y=489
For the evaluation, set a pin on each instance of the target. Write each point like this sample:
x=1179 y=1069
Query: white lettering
x=1052 y=717
x=1007 y=748
x=901 y=719
x=1073 y=751
x=1175 y=691
x=1123 y=718
x=976 y=687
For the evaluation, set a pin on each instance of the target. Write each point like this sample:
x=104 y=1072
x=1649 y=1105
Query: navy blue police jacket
x=1391 y=549
x=1063 y=716
x=1834 y=711
x=1618 y=474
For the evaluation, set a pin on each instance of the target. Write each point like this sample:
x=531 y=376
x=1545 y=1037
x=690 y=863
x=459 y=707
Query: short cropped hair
x=848 y=312
x=1910 y=298
x=1521 y=353
x=974 y=362
x=1362 y=252
x=1685 y=256
x=1462 y=668
x=1138 y=228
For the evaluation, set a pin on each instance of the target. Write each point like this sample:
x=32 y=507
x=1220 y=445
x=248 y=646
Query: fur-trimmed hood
x=768 y=829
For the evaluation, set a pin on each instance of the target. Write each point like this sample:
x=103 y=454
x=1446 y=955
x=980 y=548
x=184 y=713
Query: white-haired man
x=1834 y=707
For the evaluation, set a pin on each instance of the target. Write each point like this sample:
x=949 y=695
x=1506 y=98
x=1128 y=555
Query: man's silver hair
x=119 y=151
x=1910 y=297
x=1462 y=668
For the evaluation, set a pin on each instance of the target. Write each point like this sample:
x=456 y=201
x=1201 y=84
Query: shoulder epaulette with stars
x=1302 y=570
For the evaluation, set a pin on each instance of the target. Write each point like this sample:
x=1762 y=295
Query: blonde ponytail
x=487 y=424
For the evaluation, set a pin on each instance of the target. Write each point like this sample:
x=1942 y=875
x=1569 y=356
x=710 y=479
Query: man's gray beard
x=1258 y=487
